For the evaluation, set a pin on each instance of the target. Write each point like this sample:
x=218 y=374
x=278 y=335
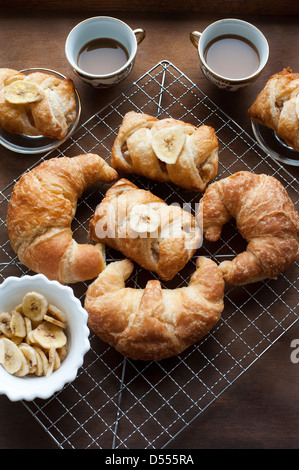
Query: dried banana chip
x=56 y=322
x=57 y=313
x=5 y=318
x=48 y=335
x=51 y=361
x=17 y=324
x=10 y=356
x=32 y=337
x=30 y=355
x=35 y=306
x=44 y=365
x=24 y=369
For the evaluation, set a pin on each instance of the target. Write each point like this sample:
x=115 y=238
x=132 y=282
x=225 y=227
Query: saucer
x=21 y=143
x=273 y=145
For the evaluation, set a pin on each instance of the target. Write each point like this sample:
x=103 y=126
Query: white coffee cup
x=103 y=27
x=230 y=26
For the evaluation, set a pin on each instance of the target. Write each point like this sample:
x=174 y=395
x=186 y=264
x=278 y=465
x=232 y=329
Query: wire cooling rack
x=122 y=404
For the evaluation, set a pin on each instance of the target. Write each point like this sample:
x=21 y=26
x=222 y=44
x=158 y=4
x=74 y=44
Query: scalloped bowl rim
x=30 y=387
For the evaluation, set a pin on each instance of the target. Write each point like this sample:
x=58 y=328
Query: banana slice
x=43 y=361
x=30 y=355
x=57 y=360
x=168 y=143
x=5 y=318
x=10 y=356
x=35 y=306
x=23 y=92
x=62 y=352
x=51 y=361
x=48 y=335
x=17 y=324
x=28 y=325
x=144 y=219
x=16 y=339
x=24 y=369
x=54 y=321
x=57 y=313
x=32 y=337
x=39 y=370
x=19 y=308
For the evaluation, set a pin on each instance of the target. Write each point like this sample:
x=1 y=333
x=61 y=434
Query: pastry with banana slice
x=277 y=106
x=166 y=150
x=159 y=237
x=36 y=104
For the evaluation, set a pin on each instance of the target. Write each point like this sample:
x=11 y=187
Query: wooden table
x=260 y=410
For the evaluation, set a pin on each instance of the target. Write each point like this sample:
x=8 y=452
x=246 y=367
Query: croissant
x=154 y=323
x=36 y=104
x=166 y=150
x=40 y=212
x=265 y=217
x=277 y=106
x=159 y=237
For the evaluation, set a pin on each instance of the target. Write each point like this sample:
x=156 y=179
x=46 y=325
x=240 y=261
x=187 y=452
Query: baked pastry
x=40 y=212
x=277 y=106
x=265 y=217
x=159 y=237
x=166 y=150
x=36 y=104
x=154 y=323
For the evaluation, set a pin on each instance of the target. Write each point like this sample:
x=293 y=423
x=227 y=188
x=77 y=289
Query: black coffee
x=102 y=56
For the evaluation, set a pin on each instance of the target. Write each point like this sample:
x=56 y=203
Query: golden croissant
x=277 y=106
x=166 y=150
x=36 y=104
x=265 y=217
x=154 y=323
x=159 y=237
x=40 y=212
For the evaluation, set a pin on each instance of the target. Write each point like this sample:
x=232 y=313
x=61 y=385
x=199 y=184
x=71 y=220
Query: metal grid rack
x=118 y=403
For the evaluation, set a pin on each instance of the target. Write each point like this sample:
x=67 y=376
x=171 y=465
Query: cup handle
x=195 y=37
x=142 y=35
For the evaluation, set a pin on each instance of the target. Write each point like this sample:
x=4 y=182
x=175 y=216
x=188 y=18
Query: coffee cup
x=245 y=40
x=103 y=28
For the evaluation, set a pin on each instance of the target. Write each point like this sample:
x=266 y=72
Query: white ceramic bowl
x=31 y=387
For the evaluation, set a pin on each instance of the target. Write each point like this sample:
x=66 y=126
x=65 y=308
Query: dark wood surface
x=260 y=410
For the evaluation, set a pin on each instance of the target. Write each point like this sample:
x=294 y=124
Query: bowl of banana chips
x=43 y=337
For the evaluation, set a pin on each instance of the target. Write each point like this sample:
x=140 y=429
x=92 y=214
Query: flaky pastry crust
x=40 y=212
x=265 y=217
x=132 y=152
x=154 y=323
